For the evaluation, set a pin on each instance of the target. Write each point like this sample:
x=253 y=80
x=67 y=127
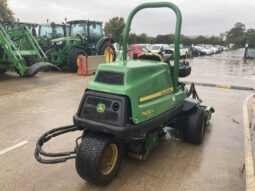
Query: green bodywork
x=50 y=31
x=62 y=47
x=152 y=140
x=30 y=26
x=141 y=79
x=19 y=49
x=151 y=87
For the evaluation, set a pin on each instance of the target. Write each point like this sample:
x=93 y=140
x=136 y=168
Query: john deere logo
x=100 y=107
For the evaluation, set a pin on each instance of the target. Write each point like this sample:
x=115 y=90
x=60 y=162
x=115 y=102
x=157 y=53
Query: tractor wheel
x=195 y=125
x=2 y=71
x=30 y=61
x=108 y=51
x=98 y=158
x=72 y=58
x=1 y=52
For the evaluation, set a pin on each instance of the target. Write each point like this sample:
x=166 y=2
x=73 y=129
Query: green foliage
x=6 y=14
x=115 y=27
x=236 y=35
x=164 y=39
x=169 y=39
x=140 y=38
x=202 y=40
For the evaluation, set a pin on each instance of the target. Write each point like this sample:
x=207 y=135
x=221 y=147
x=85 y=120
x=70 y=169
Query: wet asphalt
x=31 y=106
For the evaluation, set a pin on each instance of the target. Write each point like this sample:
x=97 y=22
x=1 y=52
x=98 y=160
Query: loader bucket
x=32 y=70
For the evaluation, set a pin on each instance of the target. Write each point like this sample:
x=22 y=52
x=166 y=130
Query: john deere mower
x=125 y=109
x=85 y=38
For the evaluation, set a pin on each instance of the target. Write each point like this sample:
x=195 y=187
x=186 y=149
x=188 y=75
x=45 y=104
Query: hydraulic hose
x=59 y=156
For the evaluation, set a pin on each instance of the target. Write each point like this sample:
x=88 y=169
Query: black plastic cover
x=114 y=78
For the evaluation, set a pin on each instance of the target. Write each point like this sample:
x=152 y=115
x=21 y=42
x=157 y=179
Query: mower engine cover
x=127 y=96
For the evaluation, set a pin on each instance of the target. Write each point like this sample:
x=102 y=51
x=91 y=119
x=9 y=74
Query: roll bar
x=176 y=37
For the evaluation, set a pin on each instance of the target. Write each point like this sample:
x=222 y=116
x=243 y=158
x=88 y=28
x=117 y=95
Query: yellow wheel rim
x=109 y=159
x=108 y=53
x=78 y=59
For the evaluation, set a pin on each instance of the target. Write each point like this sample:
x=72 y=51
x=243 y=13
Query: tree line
x=238 y=35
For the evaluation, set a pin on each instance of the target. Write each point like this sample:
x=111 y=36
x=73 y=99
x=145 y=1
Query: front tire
x=195 y=125
x=72 y=58
x=98 y=158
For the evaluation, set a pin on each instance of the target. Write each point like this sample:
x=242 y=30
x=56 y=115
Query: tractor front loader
x=20 y=51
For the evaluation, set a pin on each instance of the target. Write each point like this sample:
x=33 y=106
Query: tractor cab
x=49 y=31
x=89 y=31
x=84 y=38
x=16 y=25
x=52 y=30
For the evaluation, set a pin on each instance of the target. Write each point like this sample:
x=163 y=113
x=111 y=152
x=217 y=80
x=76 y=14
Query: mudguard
x=32 y=70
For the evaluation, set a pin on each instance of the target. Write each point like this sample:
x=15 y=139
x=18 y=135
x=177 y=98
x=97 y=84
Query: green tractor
x=126 y=108
x=32 y=27
x=85 y=38
x=20 y=51
x=49 y=31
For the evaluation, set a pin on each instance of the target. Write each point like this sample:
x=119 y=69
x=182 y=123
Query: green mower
x=125 y=109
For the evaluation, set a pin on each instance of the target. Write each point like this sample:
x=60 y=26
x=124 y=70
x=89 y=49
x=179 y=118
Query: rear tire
x=2 y=71
x=195 y=125
x=72 y=58
x=92 y=162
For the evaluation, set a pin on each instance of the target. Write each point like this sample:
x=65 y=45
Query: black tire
x=72 y=58
x=184 y=71
x=195 y=125
x=104 y=46
x=30 y=61
x=1 y=52
x=2 y=71
x=89 y=157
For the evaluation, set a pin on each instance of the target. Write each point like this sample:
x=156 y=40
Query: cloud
x=204 y=17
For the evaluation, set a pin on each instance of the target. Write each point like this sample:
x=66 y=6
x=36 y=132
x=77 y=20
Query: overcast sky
x=200 y=17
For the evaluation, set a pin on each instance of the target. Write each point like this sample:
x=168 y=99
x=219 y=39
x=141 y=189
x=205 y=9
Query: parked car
x=148 y=46
x=183 y=51
x=156 y=48
x=167 y=54
x=197 y=51
x=136 y=49
x=220 y=48
x=208 y=51
x=210 y=47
